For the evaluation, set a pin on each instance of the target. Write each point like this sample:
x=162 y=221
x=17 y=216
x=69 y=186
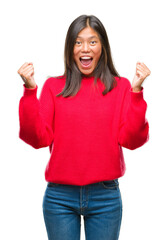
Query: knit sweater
x=85 y=133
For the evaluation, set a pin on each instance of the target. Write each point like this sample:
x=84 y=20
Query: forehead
x=88 y=32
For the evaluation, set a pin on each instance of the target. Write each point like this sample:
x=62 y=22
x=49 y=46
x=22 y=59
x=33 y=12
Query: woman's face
x=87 y=50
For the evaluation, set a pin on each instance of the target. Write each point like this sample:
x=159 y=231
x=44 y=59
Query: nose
x=85 y=47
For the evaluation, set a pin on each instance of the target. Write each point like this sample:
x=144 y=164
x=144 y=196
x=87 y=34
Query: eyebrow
x=89 y=37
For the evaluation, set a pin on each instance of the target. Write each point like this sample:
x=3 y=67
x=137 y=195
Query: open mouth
x=86 y=61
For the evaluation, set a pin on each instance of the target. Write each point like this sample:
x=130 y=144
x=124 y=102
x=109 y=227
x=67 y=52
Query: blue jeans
x=99 y=203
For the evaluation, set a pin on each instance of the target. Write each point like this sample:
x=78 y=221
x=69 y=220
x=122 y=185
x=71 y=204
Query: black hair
x=104 y=70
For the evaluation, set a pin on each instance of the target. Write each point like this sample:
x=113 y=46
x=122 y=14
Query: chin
x=87 y=73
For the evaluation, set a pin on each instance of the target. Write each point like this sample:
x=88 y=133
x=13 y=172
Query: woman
x=85 y=117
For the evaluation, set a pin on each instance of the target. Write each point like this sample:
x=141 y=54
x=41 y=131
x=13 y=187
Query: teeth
x=85 y=57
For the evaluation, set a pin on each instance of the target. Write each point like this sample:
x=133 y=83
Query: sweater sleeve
x=36 y=117
x=134 y=127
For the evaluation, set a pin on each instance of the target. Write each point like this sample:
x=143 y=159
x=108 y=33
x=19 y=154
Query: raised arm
x=35 y=115
x=134 y=127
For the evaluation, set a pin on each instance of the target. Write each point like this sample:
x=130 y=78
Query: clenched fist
x=26 y=71
x=142 y=72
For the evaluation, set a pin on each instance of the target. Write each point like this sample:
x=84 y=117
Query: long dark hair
x=104 y=70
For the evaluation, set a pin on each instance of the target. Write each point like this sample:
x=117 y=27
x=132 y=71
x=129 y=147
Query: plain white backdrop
x=34 y=31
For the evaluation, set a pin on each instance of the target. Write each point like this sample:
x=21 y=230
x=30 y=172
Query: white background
x=34 y=31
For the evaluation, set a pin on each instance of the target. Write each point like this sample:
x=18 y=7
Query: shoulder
x=53 y=80
x=123 y=82
x=54 y=84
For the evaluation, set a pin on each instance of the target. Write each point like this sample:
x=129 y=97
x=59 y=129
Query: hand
x=26 y=71
x=141 y=73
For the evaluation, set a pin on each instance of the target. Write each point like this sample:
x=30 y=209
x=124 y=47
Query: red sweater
x=85 y=133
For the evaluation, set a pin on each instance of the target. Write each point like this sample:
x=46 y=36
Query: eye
x=93 y=42
x=78 y=43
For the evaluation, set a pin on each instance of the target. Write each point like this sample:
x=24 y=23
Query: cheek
x=76 y=59
x=98 y=54
x=75 y=54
